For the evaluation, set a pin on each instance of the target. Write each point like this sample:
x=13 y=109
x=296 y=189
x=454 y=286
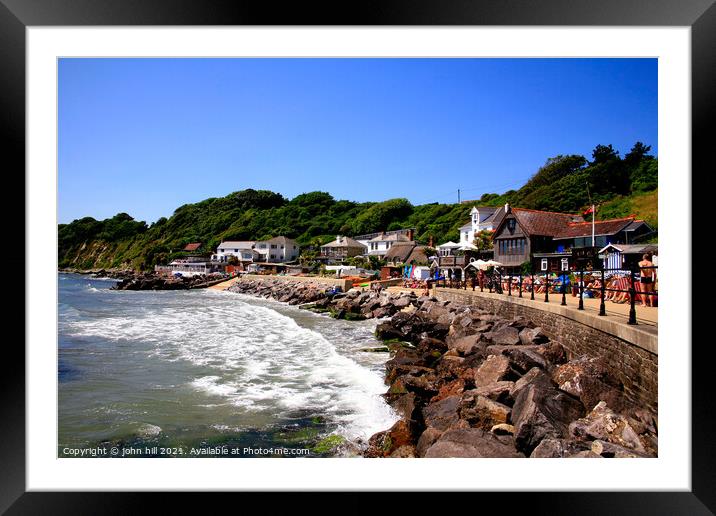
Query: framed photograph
x=415 y=250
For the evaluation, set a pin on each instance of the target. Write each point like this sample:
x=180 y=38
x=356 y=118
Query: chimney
x=338 y=239
x=507 y=207
x=430 y=241
x=410 y=235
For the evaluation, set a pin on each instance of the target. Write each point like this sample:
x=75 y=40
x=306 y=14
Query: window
x=543 y=264
x=273 y=246
x=273 y=256
x=565 y=264
x=236 y=250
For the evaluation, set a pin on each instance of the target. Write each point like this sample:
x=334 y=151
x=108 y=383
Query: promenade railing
x=620 y=285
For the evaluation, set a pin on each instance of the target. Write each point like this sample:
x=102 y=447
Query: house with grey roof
x=341 y=248
x=243 y=250
x=381 y=243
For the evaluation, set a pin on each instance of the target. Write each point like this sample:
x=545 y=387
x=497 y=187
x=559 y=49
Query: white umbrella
x=449 y=244
x=493 y=263
x=479 y=264
x=468 y=247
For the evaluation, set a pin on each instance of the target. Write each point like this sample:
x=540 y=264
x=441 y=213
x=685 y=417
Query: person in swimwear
x=647 y=275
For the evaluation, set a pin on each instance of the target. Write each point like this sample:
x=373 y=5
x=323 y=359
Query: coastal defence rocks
x=468 y=383
x=150 y=281
x=317 y=297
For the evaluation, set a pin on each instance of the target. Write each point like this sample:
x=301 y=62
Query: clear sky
x=144 y=136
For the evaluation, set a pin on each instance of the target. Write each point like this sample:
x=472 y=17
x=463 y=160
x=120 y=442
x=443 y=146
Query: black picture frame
x=16 y=15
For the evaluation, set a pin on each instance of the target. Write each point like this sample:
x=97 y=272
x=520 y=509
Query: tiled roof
x=487 y=213
x=192 y=247
x=236 y=244
x=391 y=238
x=601 y=227
x=278 y=240
x=544 y=223
x=345 y=242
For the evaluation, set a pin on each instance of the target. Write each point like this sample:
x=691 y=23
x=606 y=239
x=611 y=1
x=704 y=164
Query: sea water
x=197 y=369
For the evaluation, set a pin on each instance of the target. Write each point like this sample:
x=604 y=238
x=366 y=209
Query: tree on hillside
x=604 y=154
x=637 y=153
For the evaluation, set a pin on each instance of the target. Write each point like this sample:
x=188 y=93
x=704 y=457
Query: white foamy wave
x=253 y=357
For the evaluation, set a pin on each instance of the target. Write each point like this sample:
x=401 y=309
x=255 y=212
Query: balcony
x=452 y=261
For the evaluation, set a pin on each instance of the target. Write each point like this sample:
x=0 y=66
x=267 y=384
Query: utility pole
x=593 y=210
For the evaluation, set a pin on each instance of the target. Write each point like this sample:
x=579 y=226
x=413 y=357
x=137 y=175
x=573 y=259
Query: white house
x=243 y=250
x=277 y=250
x=486 y=217
x=381 y=244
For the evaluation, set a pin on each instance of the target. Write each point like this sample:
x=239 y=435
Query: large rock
x=508 y=336
x=404 y=405
x=520 y=322
x=405 y=357
x=556 y=448
x=383 y=444
x=470 y=442
x=604 y=424
x=428 y=345
x=454 y=388
x=588 y=379
x=534 y=375
x=402 y=302
x=442 y=414
x=553 y=352
x=533 y=336
x=427 y=439
x=524 y=358
x=464 y=345
x=485 y=413
x=497 y=391
x=449 y=367
x=541 y=412
x=493 y=369
x=611 y=450
x=387 y=330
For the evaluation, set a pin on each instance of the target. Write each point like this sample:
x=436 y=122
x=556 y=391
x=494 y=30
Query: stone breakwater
x=150 y=281
x=317 y=297
x=468 y=383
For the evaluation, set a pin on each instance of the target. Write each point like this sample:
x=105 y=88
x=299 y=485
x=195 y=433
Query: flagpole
x=593 y=225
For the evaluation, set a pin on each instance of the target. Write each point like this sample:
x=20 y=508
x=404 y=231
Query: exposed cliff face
x=95 y=254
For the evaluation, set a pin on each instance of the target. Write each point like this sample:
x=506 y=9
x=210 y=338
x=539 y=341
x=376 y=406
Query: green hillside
x=564 y=183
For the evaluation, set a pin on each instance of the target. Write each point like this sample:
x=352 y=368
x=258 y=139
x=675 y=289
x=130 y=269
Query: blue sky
x=144 y=136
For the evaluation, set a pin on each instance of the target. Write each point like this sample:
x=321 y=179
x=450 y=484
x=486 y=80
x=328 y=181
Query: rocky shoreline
x=467 y=383
x=132 y=280
x=471 y=384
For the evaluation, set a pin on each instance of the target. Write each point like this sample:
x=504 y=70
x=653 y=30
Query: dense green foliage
x=567 y=183
x=564 y=184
